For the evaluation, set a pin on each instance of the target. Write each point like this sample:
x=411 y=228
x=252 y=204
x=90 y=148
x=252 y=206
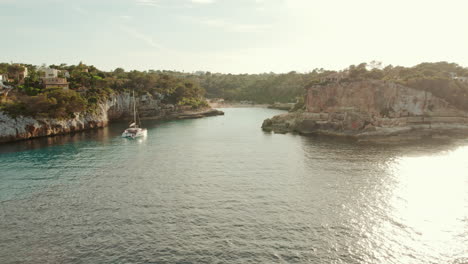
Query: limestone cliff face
x=12 y=129
x=118 y=106
x=373 y=110
x=21 y=127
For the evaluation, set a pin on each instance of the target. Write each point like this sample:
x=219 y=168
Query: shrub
x=53 y=103
x=195 y=103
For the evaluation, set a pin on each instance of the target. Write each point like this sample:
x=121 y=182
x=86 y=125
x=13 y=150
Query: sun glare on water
x=430 y=201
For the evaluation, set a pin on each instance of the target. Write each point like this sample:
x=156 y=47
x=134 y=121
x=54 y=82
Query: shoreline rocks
x=116 y=108
x=305 y=124
x=282 y=106
x=196 y=114
x=21 y=128
x=373 y=111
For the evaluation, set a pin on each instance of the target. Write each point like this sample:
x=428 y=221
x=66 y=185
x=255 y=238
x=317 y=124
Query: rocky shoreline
x=195 y=114
x=228 y=104
x=282 y=106
x=181 y=114
x=373 y=111
x=116 y=108
x=315 y=124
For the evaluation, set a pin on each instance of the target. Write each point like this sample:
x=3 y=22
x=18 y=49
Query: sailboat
x=134 y=129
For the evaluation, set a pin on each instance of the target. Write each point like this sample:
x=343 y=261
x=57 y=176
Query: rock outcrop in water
x=117 y=107
x=372 y=111
x=282 y=106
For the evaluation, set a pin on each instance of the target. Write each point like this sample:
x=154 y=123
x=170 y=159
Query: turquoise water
x=220 y=190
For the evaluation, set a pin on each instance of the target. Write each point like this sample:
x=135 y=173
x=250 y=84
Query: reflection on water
x=401 y=204
x=220 y=190
x=102 y=135
x=429 y=200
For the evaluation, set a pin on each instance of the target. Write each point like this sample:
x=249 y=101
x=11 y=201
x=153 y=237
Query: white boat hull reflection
x=134 y=132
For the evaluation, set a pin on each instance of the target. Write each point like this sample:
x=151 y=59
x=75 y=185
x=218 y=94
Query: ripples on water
x=219 y=190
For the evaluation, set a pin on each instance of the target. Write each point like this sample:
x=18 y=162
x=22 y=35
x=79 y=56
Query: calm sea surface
x=219 y=190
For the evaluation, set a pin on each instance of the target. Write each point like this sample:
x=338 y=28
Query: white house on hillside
x=50 y=73
x=50 y=78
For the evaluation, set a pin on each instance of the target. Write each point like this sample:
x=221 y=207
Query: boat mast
x=134 y=109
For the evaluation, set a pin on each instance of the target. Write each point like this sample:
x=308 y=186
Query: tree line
x=180 y=88
x=89 y=86
x=440 y=78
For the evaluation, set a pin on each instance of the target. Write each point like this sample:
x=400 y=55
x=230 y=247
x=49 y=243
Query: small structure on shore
x=51 y=78
x=55 y=83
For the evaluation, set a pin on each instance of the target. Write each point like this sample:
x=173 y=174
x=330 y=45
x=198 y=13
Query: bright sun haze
x=241 y=36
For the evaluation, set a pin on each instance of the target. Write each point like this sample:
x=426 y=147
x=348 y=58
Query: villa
x=50 y=78
x=49 y=73
x=55 y=82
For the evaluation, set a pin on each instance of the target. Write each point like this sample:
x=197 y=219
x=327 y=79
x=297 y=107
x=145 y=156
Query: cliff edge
x=373 y=110
x=117 y=107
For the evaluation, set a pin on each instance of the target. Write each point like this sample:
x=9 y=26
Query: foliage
x=55 y=103
x=32 y=83
x=299 y=105
x=90 y=86
x=195 y=103
x=437 y=78
x=178 y=88
x=259 y=88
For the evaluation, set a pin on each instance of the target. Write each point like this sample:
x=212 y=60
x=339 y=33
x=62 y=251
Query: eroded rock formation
x=372 y=111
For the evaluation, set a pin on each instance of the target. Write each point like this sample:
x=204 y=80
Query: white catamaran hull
x=134 y=133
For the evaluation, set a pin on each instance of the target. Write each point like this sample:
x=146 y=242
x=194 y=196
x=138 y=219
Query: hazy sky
x=238 y=36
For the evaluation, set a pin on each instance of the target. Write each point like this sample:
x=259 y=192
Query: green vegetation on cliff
x=441 y=78
x=55 y=103
x=259 y=88
x=88 y=86
x=448 y=81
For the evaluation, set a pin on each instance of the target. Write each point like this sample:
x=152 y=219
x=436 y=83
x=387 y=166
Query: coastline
x=187 y=114
x=409 y=133
x=236 y=105
x=24 y=128
x=224 y=104
x=373 y=111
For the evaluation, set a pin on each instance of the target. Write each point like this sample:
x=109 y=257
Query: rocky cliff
x=12 y=129
x=118 y=106
x=372 y=111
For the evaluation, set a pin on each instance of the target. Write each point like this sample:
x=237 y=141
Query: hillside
x=373 y=110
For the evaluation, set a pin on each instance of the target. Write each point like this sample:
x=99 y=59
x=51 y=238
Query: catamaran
x=134 y=129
